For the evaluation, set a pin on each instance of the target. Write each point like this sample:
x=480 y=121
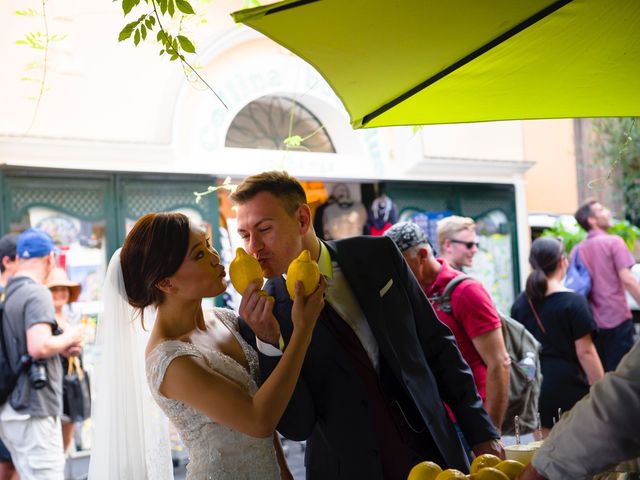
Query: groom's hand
x=257 y=311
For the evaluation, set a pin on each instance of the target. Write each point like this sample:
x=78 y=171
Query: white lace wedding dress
x=215 y=451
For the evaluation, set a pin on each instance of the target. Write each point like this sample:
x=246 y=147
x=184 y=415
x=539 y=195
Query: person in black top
x=562 y=322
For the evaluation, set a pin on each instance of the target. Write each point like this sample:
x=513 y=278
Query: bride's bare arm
x=188 y=380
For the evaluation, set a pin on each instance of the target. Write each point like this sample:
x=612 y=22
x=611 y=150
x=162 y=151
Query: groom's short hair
x=281 y=185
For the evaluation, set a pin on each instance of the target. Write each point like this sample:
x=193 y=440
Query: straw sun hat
x=58 y=278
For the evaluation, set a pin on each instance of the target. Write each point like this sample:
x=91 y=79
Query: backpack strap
x=444 y=301
x=581 y=250
x=15 y=284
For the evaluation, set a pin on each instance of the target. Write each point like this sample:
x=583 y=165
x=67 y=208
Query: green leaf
x=136 y=38
x=127 y=31
x=57 y=38
x=148 y=23
x=174 y=57
x=171 y=7
x=163 y=6
x=29 y=12
x=160 y=36
x=162 y=52
x=143 y=31
x=152 y=19
x=186 y=44
x=127 y=5
x=185 y=7
x=293 y=141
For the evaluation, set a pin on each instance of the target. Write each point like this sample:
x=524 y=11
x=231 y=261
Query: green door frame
x=105 y=195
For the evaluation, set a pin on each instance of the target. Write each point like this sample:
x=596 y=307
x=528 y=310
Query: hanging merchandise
x=382 y=214
x=344 y=217
x=318 y=219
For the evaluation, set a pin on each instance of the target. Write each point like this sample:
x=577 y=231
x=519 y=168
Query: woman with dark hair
x=199 y=370
x=562 y=322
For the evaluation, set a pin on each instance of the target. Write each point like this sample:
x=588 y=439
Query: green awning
x=411 y=62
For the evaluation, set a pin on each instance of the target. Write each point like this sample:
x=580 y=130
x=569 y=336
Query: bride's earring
x=164 y=285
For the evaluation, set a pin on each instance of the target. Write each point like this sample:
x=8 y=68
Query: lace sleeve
x=159 y=359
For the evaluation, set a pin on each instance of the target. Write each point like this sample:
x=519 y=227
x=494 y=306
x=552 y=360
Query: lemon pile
x=484 y=467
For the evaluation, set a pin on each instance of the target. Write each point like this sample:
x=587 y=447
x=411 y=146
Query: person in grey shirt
x=30 y=419
x=599 y=432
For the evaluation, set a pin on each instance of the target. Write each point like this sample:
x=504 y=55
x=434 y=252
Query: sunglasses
x=469 y=245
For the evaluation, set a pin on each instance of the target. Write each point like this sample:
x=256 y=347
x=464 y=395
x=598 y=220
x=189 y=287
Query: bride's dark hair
x=154 y=250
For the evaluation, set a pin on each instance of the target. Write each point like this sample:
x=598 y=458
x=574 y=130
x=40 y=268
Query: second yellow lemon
x=305 y=270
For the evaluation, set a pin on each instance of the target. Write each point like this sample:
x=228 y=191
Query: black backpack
x=8 y=373
x=520 y=344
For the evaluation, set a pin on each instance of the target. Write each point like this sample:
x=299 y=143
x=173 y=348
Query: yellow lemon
x=424 y=471
x=483 y=461
x=511 y=468
x=243 y=270
x=490 y=473
x=451 y=474
x=305 y=270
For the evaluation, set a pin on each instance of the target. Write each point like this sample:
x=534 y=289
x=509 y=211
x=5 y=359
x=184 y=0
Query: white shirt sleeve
x=600 y=431
x=268 y=349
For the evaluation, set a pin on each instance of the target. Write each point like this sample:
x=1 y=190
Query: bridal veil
x=130 y=438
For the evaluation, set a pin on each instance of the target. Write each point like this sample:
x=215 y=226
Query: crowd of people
x=381 y=367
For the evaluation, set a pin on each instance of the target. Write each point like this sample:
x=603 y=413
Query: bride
x=199 y=370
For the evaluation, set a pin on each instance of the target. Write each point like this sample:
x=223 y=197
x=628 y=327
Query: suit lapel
x=366 y=294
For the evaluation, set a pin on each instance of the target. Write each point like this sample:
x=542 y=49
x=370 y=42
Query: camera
x=36 y=371
x=38 y=374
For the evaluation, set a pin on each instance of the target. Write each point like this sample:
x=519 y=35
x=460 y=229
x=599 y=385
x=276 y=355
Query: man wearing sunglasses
x=457 y=241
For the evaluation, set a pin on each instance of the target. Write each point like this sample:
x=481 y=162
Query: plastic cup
x=521 y=453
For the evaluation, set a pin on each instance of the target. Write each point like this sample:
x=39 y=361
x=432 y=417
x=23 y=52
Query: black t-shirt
x=566 y=317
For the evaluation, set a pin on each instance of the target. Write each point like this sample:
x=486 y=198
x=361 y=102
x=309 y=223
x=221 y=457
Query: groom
x=380 y=365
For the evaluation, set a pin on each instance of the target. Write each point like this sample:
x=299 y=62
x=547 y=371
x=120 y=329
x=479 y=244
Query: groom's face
x=270 y=234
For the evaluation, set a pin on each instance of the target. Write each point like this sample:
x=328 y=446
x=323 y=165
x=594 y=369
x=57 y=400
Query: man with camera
x=30 y=419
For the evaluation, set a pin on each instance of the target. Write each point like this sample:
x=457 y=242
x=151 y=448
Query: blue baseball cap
x=34 y=243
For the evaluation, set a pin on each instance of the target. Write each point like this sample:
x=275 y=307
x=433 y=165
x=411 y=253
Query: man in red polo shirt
x=473 y=320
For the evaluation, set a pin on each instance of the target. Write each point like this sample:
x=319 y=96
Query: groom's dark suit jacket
x=329 y=406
